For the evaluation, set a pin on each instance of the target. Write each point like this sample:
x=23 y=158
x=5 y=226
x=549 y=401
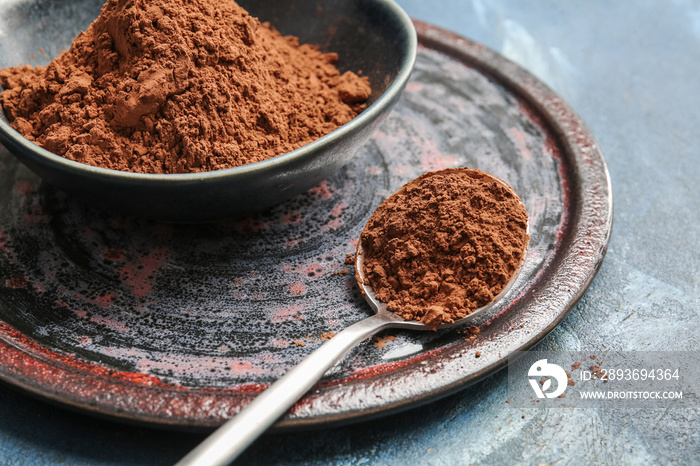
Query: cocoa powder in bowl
x=170 y=86
x=444 y=245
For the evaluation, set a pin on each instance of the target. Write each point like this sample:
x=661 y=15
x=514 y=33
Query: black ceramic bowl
x=374 y=36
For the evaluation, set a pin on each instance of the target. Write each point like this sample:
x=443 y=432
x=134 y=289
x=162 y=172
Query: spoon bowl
x=231 y=439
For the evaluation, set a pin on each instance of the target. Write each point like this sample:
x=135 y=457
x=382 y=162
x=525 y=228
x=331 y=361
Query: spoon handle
x=232 y=438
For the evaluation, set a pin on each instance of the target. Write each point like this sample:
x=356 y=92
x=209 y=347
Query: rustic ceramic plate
x=182 y=325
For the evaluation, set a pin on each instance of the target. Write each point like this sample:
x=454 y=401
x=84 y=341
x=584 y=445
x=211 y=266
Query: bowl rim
x=34 y=151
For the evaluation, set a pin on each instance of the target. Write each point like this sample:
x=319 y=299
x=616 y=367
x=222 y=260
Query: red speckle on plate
x=106 y=321
x=84 y=340
x=520 y=138
x=250 y=224
x=107 y=299
x=322 y=190
x=315 y=271
x=22 y=187
x=332 y=224
x=115 y=255
x=292 y=218
x=293 y=312
x=17 y=282
x=338 y=208
x=297 y=288
x=138 y=274
x=432 y=157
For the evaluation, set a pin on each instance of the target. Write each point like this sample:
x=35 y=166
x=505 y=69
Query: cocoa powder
x=172 y=86
x=444 y=245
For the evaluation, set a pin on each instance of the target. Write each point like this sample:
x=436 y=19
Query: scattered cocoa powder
x=170 y=86
x=323 y=337
x=472 y=333
x=570 y=380
x=444 y=245
x=381 y=341
x=598 y=372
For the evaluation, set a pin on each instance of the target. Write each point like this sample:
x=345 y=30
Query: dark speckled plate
x=182 y=325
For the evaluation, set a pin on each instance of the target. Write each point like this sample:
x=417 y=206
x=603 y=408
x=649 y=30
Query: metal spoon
x=232 y=438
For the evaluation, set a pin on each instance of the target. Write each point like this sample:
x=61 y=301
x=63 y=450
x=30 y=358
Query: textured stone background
x=629 y=68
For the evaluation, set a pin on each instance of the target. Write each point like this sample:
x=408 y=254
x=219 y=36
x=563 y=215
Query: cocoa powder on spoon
x=444 y=245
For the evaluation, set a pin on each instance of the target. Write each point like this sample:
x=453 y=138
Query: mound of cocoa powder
x=444 y=245
x=177 y=86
